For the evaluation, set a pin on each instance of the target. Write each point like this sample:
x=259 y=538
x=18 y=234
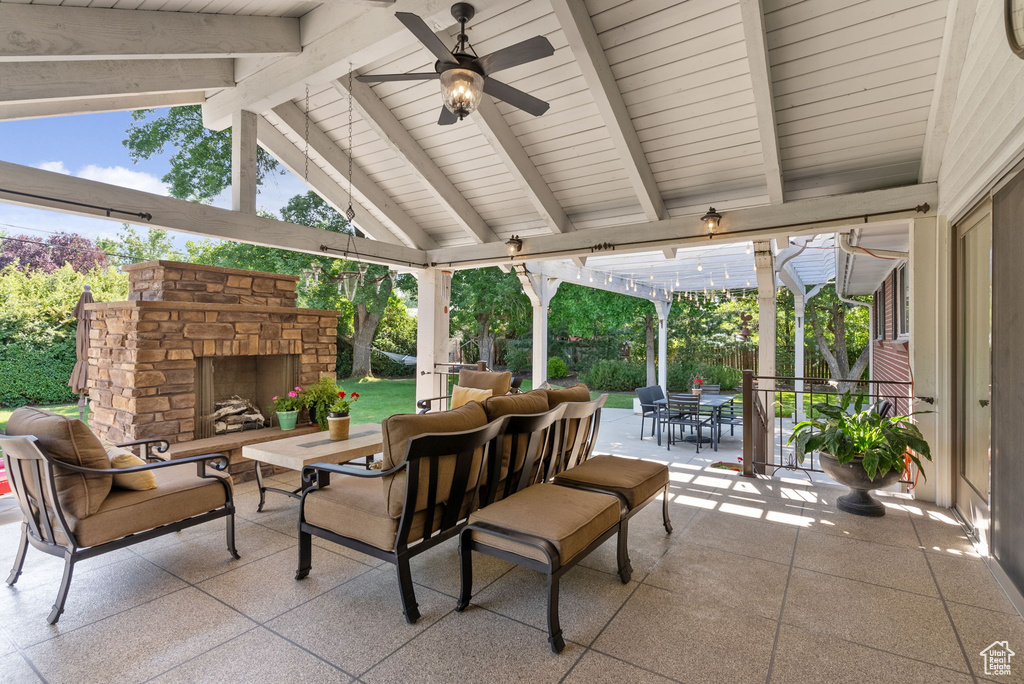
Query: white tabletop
x=317 y=447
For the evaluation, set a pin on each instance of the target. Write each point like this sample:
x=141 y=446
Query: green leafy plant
x=319 y=397
x=292 y=401
x=342 y=404
x=557 y=368
x=881 y=443
x=615 y=376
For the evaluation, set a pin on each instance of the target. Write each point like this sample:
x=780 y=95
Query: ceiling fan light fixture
x=461 y=90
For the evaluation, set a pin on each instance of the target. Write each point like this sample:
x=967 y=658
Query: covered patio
x=768 y=568
x=660 y=149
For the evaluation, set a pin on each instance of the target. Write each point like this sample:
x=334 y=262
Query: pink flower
x=293 y=394
x=298 y=389
x=274 y=399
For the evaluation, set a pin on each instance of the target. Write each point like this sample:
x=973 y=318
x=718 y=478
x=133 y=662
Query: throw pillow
x=123 y=458
x=463 y=395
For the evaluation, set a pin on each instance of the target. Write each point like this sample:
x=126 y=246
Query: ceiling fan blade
x=381 y=78
x=447 y=117
x=515 y=97
x=419 y=28
x=535 y=48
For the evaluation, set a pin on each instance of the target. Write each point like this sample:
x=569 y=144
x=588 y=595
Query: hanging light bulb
x=712 y=280
x=677 y=280
x=748 y=249
x=579 y=273
x=726 y=273
x=748 y=282
x=700 y=266
x=591 y=277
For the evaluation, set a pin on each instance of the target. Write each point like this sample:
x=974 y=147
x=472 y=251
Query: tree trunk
x=485 y=340
x=838 y=363
x=365 y=325
x=652 y=373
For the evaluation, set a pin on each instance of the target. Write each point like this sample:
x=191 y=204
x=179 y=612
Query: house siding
x=891 y=356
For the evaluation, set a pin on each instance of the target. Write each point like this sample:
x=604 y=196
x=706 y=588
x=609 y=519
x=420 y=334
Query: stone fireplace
x=191 y=336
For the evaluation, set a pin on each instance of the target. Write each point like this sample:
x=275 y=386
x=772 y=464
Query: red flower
x=355 y=395
x=341 y=395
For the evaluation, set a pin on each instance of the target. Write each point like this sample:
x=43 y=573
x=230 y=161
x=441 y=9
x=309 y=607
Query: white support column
x=798 y=354
x=931 y=360
x=243 y=161
x=540 y=289
x=432 y=340
x=663 y=309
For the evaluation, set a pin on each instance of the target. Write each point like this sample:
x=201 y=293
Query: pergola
x=794 y=120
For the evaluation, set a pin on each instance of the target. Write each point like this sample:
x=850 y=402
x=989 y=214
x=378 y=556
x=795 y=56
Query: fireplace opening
x=234 y=393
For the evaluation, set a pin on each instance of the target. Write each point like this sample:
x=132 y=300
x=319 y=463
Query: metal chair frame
x=44 y=516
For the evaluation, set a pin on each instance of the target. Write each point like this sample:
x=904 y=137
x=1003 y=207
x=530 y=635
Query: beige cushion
x=69 y=440
x=399 y=429
x=560 y=396
x=636 y=480
x=571 y=519
x=498 y=383
x=516 y=404
x=138 y=481
x=179 y=494
x=355 y=507
x=463 y=395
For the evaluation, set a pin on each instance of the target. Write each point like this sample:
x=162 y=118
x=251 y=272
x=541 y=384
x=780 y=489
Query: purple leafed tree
x=34 y=254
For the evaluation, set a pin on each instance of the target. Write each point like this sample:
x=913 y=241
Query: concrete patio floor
x=761 y=581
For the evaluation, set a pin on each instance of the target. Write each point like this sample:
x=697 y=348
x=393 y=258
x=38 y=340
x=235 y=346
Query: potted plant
x=861 y=449
x=338 y=414
x=287 y=408
x=698 y=385
x=318 y=399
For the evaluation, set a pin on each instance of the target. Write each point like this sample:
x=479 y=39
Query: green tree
x=129 y=247
x=487 y=303
x=841 y=331
x=201 y=161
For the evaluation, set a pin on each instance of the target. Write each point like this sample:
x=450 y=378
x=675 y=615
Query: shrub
x=615 y=376
x=557 y=368
x=517 y=355
x=680 y=375
x=37 y=329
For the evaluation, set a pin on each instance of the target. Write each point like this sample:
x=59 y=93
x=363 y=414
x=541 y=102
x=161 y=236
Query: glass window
x=901 y=303
x=880 y=313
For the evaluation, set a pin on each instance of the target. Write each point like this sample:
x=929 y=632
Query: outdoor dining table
x=713 y=401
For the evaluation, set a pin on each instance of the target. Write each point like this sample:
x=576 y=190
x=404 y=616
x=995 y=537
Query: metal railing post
x=748 y=423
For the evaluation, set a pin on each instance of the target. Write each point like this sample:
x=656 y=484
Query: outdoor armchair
x=63 y=483
x=423 y=494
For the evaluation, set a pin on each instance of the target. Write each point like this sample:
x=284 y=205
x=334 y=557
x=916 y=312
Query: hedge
x=614 y=376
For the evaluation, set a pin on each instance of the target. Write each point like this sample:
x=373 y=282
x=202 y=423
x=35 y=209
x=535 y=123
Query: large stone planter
x=852 y=474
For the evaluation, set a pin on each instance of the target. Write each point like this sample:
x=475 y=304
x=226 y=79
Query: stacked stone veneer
x=142 y=354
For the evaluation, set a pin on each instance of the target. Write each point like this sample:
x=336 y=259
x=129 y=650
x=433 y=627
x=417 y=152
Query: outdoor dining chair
x=684 y=411
x=648 y=409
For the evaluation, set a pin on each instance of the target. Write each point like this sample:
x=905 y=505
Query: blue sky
x=90 y=146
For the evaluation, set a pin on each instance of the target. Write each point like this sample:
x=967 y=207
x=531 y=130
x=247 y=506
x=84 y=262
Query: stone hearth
x=144 y=352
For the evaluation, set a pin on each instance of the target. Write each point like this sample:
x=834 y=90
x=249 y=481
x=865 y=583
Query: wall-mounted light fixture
x=711 y=221
x=515 y=245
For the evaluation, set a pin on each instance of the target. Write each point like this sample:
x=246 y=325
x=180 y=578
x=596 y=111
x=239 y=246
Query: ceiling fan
x=464 y=76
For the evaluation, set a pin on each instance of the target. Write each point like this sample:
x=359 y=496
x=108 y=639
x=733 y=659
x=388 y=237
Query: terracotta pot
x=338 y=427
x=697 y=391
x=852 y=474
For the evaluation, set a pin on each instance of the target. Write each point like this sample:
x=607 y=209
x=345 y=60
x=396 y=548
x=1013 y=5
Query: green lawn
x=378 y=399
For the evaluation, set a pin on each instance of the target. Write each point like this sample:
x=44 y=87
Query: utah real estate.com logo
x=997 y=658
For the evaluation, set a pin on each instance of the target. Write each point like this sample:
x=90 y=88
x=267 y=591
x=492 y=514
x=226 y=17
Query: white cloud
x=55 y=166
x=126 y=178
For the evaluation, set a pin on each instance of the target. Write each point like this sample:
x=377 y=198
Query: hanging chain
x=305 y=174
x=350 y=212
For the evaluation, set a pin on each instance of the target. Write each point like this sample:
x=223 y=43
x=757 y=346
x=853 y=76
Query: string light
x=579 y=273
x=700 y=267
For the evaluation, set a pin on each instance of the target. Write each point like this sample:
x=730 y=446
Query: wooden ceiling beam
x=574 y=18
x=756 y=38
x=42 y=81
x=393 y=134
x=92 y=105
x=31 y=187
x=295 y=119
x=43 y=32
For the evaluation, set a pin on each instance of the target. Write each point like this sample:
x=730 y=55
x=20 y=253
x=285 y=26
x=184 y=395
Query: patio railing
x=772 y=405
x=446 y=374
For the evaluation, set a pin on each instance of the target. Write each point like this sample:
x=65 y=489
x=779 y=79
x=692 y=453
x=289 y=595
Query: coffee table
x=297 y=452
